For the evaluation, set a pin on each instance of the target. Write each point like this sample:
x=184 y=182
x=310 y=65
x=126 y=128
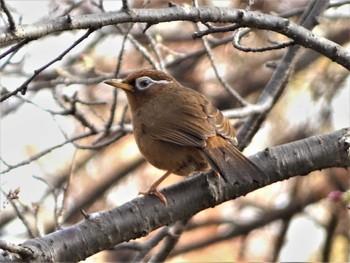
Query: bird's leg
x=153 y=189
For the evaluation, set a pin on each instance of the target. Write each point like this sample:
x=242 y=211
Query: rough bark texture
x=137 y=218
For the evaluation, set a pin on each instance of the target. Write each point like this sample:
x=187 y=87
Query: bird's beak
x=117 y=83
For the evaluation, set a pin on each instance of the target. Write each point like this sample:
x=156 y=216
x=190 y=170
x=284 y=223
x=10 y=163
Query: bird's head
x=143 y=85
x=142 y=81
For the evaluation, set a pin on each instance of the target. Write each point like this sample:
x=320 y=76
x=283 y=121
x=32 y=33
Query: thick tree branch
x=243 y=18
x=143 y=214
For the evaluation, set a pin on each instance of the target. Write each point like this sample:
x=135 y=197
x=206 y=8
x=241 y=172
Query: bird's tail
x=230 y=163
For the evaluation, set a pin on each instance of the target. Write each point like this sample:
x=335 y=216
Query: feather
x=191 y=126
x=229 y=162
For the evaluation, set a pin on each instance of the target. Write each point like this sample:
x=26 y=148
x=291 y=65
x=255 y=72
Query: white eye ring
x=143 y=83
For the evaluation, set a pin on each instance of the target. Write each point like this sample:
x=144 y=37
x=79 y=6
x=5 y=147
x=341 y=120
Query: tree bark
x=103 y=230
x=243 y=18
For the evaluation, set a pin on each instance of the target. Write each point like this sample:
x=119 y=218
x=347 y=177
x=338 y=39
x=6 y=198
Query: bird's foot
x=156 y=193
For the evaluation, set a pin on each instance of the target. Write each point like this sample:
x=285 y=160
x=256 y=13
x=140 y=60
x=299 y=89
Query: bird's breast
x=180 y=160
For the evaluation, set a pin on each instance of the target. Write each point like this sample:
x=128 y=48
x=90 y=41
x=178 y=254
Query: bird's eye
x=143 y=83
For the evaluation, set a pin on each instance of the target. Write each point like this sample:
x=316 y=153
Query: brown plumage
x=178 y=130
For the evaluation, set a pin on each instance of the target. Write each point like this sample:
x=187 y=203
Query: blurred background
x=67 y=145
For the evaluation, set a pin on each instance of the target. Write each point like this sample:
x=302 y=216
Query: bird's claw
x=156 y=193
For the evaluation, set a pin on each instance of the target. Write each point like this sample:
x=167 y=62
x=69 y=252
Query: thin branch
x=245 y=228
x=24 y=86
x=55 y=197
x=141 y=48
x=42 y=153
x=10 y=20
x=279 y=242
x=198 y=53
x=300 y=10
x=109 y=122
x=241 y=32
x=213 y=65
x=15 y=47
x=113 y=108
x=148 y=245
x=95 y=80
x=174 y=233
x=249 y=109
x=280 y=77
x=78 y=115
x=102 y=142
x=154 y=46
x=214 y=29
x=66 y=10
x=19 y=214
x=122 y=49
x=330 y=233
x=233 y=92
x=62 y=209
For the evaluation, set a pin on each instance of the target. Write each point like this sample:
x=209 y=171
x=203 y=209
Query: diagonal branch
x=138 y=217
x=24 y=86
x=11 y=21
x=279 y=79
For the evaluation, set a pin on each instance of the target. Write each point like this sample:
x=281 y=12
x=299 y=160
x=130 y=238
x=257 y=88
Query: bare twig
x=140 y=48
x=109 y=122
x=146 y=247
x=15 y=47
x=232 y=91
x=330 y=233
x=280 y=77
x=122 y=49
x=10 y=20
x=198 y=53
x=66 y=189
x=217 y=74
x=300 y=10
x=214 y=29
x=174 y=234
x=24 y=86
x=19 y=213
x=245 y=228
x=248 y=110
x=44 y=152
x=73 y=110
x=55 y=197
x=66 y=10
x=241 y=32
x=155 y=49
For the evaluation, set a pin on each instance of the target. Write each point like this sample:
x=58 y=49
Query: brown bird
x=178 y=130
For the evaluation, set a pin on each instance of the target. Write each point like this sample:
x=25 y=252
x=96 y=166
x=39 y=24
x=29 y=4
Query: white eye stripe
x=145 y=82
x=162 y=81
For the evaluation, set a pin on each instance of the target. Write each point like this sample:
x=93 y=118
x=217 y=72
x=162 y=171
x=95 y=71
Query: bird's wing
x=188 y=127
x=193 y=121
x=221 y=124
